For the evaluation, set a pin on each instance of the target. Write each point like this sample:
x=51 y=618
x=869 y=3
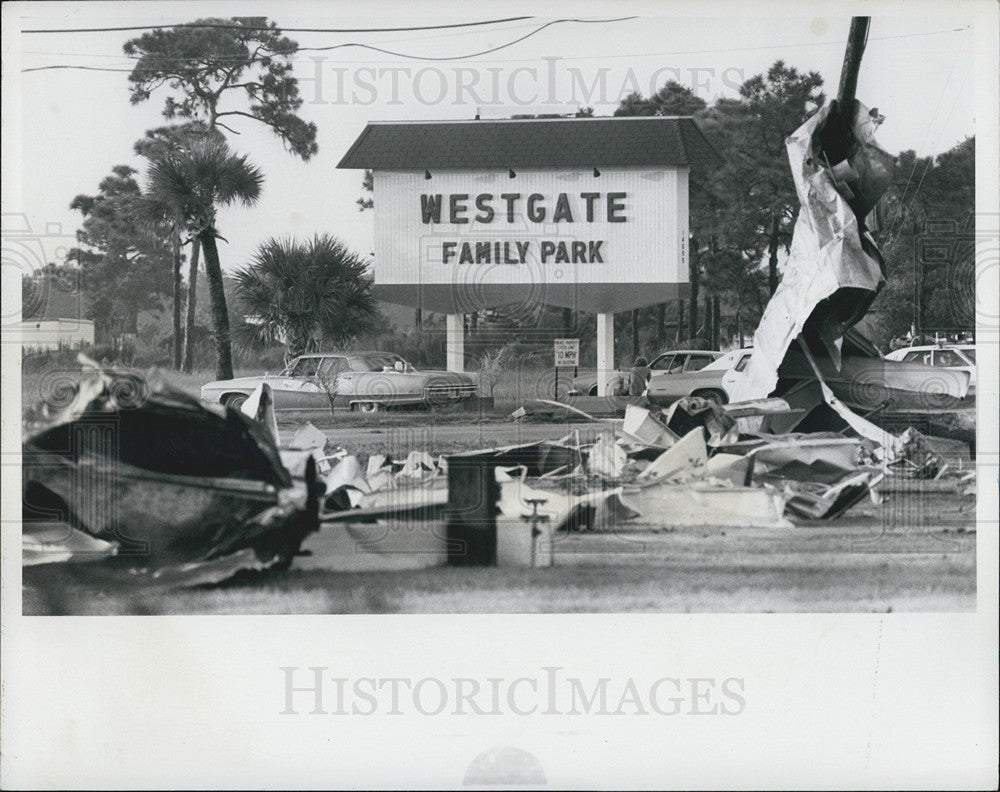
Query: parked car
x=709 y=382
x=675 y=360
x=962 y=357
x=362 y=381
x=863 y=383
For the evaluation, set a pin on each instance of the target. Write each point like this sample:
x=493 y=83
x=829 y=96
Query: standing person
x=639 y=376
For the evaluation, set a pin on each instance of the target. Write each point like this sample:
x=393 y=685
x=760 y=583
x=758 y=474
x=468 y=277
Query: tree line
x=138 y=231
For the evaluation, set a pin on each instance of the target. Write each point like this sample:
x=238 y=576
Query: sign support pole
x=455 y=342
x=605 y=353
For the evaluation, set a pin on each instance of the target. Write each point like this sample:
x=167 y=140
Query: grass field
x=868 y=561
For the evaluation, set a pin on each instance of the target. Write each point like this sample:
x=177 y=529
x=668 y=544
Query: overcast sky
x=918 y=70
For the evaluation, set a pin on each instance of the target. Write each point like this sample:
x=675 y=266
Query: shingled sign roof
x=533 y=143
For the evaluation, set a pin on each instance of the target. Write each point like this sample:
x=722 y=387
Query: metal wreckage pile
x=180 y=493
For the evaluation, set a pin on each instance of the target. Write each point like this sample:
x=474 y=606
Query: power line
x=79 y=68
x=838 y=43
x=537 y=30
x=395 y=40
x=528 y=35
x=217 y=26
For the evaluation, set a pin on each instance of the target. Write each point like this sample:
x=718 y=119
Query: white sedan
x=962 y=357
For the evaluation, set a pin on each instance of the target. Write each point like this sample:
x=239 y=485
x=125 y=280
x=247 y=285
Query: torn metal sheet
x=166 y=479
x=608 y=515
x=915 y=459
x=834 y=269
x=60 y=542
x=568 y=408
x=606 y=458
x=807 y=458
x=697 y=504
x=562 y=507
x=642 y=426
x=260 y=406
x=863 y=427
x=754 y=407
x=404 y=504
x=306 y=437
x=826 y=502
x=685 y=414
x=345 y=485
x=209 y=572
x=733 y=468
x=686 y=459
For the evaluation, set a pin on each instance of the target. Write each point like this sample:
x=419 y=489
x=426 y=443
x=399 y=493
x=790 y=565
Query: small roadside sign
x=567 y=354
x=567 y=351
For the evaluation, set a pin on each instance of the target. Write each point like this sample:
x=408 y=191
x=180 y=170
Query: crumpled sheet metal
x=827 y=254
x=606 y=457
x=381 y=483
x=164 y=478
x=642 y=427
x=697 y=504
x=260 y=406
x=563 y=509
x=805 y=457
x=818 y=501
x=691 y=411
x=59 y=542
x=687 y=458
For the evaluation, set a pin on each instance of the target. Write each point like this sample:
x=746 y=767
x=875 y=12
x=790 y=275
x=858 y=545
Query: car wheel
x=714 y=396
x=367 y=407
x=235 y=400
x=592 y=391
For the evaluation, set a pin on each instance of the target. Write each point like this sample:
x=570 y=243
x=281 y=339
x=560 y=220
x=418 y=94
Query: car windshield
x=378 y=362
x=970 y=353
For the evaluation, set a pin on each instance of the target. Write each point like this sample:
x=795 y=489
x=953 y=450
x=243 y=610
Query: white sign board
x=567 y=352
x=555 y=227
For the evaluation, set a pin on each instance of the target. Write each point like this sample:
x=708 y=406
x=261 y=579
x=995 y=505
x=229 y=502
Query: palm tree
x=159 y=142
x=191 y=183
x=297 y=293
